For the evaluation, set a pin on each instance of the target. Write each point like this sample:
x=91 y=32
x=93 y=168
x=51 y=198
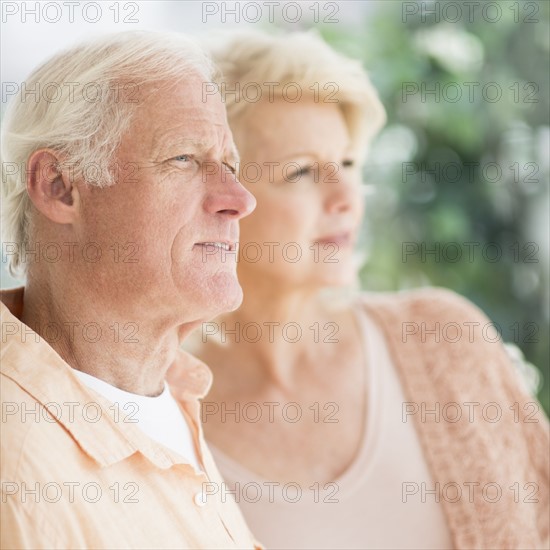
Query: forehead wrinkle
x=225 y=144
x=206 y=133
x=206 y=139
x=233 y=154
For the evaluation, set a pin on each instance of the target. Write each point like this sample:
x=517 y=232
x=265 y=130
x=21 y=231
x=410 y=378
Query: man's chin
x=224 y=294
x=231 y=300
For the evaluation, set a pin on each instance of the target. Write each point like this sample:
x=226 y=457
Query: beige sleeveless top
x=383 y=500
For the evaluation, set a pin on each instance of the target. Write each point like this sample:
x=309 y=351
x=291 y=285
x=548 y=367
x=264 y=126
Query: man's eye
x=184 y=158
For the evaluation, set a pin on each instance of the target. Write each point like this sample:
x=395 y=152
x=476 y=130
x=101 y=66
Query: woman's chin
x=339 y=282
x=339 y=276
x=319 y=283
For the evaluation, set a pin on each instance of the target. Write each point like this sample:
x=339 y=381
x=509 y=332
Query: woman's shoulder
x=450 y=335
x=438 y=333
x=436 y=303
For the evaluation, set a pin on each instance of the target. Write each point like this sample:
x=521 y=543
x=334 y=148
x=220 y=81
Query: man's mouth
x=218 y=245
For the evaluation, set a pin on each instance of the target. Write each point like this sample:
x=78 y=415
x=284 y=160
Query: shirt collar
x=36 y=367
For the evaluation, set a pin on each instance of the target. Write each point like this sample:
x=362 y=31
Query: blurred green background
x=434 y=170
x=464 y=199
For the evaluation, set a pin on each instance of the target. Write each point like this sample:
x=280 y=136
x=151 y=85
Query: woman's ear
x=51 y=190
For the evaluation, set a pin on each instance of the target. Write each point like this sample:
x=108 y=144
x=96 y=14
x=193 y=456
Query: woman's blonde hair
x=258 y=65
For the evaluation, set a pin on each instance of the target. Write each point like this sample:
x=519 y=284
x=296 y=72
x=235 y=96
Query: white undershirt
x=159 y=417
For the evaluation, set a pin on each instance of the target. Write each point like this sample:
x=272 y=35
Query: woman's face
x=296 y=159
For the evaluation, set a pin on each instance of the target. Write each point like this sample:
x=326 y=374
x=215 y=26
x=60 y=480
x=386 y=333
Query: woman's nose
x=342 y=191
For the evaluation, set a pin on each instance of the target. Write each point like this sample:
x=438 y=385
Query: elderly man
x=120 y=206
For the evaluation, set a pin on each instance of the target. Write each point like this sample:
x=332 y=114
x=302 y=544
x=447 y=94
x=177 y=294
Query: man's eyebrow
x=166 y=139
x=195 y=144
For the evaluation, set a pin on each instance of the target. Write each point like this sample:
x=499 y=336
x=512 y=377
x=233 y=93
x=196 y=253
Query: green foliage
x=468 y=203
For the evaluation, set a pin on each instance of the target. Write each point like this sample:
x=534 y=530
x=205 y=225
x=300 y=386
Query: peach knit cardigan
x=512 y=450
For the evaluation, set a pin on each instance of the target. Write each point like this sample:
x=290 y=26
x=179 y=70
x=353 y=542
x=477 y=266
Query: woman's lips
x=341 y=240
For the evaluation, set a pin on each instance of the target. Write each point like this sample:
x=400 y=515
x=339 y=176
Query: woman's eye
x=295 y=176
x=348 y=163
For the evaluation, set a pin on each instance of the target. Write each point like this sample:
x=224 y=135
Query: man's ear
x=51 y=190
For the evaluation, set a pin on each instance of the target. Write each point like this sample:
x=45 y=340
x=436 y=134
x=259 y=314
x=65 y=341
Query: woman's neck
x=271 y=338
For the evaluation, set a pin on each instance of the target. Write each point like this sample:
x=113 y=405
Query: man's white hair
x=79 y=104
x=256 y=59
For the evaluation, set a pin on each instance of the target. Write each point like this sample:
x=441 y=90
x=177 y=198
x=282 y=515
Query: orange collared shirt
x=75 y=474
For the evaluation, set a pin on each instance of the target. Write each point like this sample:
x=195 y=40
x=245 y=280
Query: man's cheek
x=178 y=244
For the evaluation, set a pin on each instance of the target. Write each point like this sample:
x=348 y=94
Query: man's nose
x=226 y=195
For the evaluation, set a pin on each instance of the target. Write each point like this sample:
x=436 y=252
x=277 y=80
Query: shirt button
x=200 y=499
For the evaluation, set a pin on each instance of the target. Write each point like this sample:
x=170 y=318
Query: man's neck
x=131 y=355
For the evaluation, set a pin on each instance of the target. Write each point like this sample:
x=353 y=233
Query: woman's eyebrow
x=298 y=154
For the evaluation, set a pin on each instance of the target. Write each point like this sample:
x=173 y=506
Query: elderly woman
x=346 y=423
